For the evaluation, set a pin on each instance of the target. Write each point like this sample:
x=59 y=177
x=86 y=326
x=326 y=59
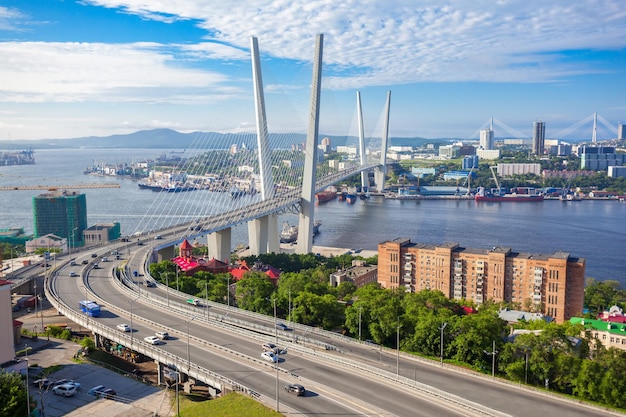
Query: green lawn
x=230 y=405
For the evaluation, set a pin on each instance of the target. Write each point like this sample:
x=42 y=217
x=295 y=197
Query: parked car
x=295 y=389
x=95 y=390
x=66 y=382
x=66 y=390
x=269 y=356
x=42 y=382
x=153 y=340
x=162 y=335
x=108 y=394
x=123 y=327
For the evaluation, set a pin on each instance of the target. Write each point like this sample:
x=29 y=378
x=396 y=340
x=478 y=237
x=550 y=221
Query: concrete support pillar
x=166 y=253
x=273 y=237
x=219 y=245
x=307 y=201
x=258 y=235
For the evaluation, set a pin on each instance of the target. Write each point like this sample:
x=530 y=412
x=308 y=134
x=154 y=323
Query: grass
x=230 y=405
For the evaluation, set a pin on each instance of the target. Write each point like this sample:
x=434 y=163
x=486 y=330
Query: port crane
x=58 y=187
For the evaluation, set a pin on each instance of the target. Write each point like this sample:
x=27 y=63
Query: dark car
x=85 y=262
x=295 y=389
x=94 y=255
x=109 y=393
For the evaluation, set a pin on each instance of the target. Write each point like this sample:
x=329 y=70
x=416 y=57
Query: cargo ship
x=351 y=195
x=325 y=195
x=514 y=197
x=18 y=157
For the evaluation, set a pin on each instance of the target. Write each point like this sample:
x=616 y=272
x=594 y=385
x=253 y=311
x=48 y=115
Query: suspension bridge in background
x=270 y=177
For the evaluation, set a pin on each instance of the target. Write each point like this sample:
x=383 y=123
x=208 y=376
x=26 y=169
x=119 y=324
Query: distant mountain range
x=171 y=139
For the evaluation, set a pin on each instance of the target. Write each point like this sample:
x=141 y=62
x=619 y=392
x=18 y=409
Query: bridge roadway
x=338 y=388
x=286 y=201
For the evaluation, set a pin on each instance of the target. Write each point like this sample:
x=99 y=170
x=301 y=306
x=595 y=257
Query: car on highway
x=66 y=390
x=194 y=301
x=295 y=389
x=85 y=262
x=162 y=335
x=153 y=340
x=73 y=262
x=94 y=255
x=269 y=347
x=269 y=356
x=73 y=274
x=158 y=237
x=282 y=326
x=123 y=327
x=149 y=283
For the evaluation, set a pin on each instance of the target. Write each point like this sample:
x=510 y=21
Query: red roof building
x=190 y=264
x=272 y=272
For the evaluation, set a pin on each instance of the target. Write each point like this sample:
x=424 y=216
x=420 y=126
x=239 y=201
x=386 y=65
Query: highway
x=228 y=342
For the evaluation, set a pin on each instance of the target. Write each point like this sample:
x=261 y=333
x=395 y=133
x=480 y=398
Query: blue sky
x=101 y=67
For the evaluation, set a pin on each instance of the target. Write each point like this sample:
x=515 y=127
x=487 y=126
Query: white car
x=123 y=327
x=163 y=335
x=269 y=347
x=153 y=340
x=73 y=274
x=269 y=356
x=66 y=390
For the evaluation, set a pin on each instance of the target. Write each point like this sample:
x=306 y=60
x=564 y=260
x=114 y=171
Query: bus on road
x=91 y=308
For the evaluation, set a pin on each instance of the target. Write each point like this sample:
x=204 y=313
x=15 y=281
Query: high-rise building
x=539 y=137
x=620 y=131
x=486 y=139
x=62 y=213
x=550 y=284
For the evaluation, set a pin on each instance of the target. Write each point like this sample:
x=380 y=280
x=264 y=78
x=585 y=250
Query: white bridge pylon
x=263 y=233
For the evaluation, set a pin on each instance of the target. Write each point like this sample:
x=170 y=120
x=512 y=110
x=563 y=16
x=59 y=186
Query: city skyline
x=104 y=67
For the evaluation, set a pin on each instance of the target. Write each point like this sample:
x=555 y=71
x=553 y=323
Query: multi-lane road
x=351 y=379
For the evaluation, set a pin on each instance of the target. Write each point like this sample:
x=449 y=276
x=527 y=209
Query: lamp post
x=493 y=354
x=360 y=308
x=27 y=383
x=188 y=350
x=276 y=342
x=228 y=290
x=398 y=350
x=443 y=326
x=132 y=331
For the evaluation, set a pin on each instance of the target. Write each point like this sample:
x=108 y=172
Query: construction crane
x=58 y=187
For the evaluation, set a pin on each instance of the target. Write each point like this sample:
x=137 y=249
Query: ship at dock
x=351 y=195
x=525 y=195
x=289 y=233
x=18 y=157
x=328 y=194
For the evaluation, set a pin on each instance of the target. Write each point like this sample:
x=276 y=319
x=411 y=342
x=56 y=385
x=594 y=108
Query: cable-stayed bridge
x=253 y=178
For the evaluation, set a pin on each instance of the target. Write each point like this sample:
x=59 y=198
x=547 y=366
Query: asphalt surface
x=133 y=399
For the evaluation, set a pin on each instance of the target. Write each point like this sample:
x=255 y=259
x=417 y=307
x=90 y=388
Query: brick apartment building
x=550 y=284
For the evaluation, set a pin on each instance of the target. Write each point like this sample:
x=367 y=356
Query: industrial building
x=549 y=284
x=62 y=213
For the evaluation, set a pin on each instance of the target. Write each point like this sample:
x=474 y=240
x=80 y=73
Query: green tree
x=13 y=395
x=254 y=292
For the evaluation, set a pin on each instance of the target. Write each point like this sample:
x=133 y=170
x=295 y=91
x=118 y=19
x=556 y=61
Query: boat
x=500 y=197
x=289 y=233
x=325 y=195
x=316 y=227
x=351 y=195
x=18 y=157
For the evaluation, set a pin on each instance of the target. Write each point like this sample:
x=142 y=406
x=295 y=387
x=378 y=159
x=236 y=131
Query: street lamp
x=27 y=382
x=493 y=354
x=132 y=331
x=188 y=351
x=228 y=290
x=360 y=308
x=398 y=350
x=443 y=326
x=273 y=299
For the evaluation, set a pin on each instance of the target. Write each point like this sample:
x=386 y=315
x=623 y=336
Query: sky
x=101 y=67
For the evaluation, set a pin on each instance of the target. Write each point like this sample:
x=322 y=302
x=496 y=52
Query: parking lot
x=133 y=398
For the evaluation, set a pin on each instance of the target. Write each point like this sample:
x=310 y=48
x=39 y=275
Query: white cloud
x=411 y=41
